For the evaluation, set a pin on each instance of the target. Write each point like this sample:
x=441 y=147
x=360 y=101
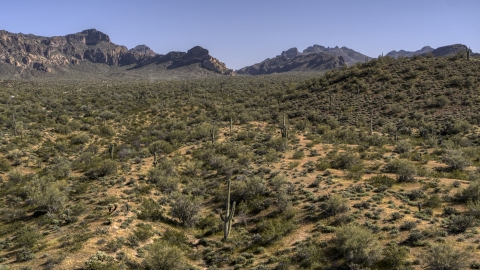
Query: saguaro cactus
x=155 y=161
x=212 y=134
x=283 y=128
x=231 y=125
x=111 y=149
x=227 y=219
x=468 y=54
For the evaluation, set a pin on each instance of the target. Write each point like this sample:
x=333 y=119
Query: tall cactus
x=155 y=161
x=231 y=125
x=212 y=134
x=111 y=150
x=227 y=218
x=468 y=54
x=283 y=128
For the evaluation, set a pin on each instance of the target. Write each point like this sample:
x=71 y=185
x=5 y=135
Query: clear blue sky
x=245 y=32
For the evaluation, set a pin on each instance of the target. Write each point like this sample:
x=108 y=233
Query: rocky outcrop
x=450 y=50
x=290 y=53
x=350 y=56
x=403 y=53
x=300 y=62
x=48 y=53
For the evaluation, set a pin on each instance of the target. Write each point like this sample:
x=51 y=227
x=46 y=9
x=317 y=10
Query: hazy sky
x=242 y=33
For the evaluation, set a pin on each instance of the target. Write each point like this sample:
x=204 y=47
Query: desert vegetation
x=373 y=166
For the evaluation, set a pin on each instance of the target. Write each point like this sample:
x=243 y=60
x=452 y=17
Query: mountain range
x=60 y=53
x=92 y=52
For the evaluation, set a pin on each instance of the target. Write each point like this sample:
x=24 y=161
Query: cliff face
x=47 y=53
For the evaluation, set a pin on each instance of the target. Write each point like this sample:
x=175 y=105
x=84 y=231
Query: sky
x=241 y=33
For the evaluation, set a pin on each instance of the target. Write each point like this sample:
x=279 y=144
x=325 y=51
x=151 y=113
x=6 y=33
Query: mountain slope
x=54 y=54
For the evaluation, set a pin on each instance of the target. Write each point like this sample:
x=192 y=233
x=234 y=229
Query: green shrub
x=381 y=180
x=186 y=210
x=358 y=245
x=298 y=154
x=162 y=256
x=334 y=205
x=403 y=168
x=446 y=257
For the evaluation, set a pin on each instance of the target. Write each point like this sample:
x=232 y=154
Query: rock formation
x=47 y=53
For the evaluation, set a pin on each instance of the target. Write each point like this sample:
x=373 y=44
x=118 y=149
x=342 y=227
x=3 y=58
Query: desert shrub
x=381 y=180
x=4 y=165
x=166 y=182
x=334 y=205
x=100 y=261
x=162 y=256
x=186 y=209
x=455 y=159
x=346 y=160
x=143 y=232
x=271 y=230
x=394 y=256
x=104 y=168
x=460 y=223
x=160 y=147
x=24 y=254
x=408 y=225
x=150 y=210
x=415 y=194
x=176 y=238
x=472 y=192
x=81 y=138
x=446 y=257
x=28 y=237
x=298 y=154
x=309 y=255
x=46 y=193
x=404 y=169
x=358 y=244
x=403 y=146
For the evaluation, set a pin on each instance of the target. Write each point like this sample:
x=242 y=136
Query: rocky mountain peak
x=314 y=48
x=290 y=53
x=144 y=49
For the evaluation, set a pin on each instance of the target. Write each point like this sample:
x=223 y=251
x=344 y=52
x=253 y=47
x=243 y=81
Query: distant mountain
x=293 y=60
x=32 y=53
x=450 y=50
x=350 y=56
x=403 y=53
x=314 y=58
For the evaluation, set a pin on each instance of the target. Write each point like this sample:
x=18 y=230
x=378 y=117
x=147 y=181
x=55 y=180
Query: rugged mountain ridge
x=438 y=52
x=350 y=56
x=314 y=58
x=403 y=53
x=288 y=62
x=48 y=53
